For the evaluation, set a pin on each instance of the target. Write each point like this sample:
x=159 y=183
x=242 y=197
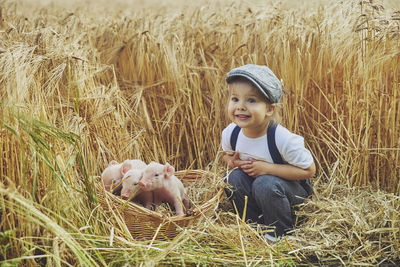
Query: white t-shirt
x=290 y=146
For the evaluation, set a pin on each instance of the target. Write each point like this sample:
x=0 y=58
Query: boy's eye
x=251 y=100
x=234 y=99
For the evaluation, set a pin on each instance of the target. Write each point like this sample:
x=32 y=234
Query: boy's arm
x=286 y=171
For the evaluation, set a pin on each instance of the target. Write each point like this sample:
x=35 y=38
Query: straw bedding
x=204 y=194
x=357 y=225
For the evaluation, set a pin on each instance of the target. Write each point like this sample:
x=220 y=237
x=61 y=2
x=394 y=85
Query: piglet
x=165 y=186
x=130 y=185
x=111 y=174
x=133 y=164
x=114 y=172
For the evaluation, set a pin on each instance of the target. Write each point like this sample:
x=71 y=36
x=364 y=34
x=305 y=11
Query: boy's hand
x=232 y=161
x=255 y=168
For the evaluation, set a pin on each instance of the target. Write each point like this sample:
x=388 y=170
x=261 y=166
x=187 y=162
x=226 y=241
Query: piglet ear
x=113 y=162
x=169 y=169
x=126 y=166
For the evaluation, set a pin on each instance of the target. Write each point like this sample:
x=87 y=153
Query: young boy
x=272 y=186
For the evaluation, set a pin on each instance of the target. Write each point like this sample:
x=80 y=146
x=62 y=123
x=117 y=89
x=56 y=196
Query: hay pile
x=348 y=224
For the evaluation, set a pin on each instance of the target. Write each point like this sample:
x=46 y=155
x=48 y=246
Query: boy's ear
x=270 y=110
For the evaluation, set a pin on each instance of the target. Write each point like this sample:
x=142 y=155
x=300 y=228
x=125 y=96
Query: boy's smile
x=249 y=109
x=242 y=117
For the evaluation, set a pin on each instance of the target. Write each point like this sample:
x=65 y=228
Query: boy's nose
x=241 y=106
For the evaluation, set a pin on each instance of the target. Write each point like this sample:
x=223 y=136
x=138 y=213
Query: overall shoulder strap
x=273 y=150
x=234 y=137
x=277 y=158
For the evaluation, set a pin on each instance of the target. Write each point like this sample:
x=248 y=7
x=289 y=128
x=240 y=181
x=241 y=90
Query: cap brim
x=254 y=82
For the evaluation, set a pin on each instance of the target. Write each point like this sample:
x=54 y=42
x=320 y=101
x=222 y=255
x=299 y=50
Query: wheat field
x=86 y=82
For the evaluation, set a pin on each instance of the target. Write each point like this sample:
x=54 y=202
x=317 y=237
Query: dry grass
x=85 y=82
x=356 y=225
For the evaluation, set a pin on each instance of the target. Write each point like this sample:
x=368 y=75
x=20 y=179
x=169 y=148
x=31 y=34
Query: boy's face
x=248 y=108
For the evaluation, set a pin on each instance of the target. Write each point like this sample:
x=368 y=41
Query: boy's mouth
x=242 y=117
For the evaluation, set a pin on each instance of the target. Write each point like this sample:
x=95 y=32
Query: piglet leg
x=178 y=207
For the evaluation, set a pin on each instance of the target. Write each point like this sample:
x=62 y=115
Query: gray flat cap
x=262 y=77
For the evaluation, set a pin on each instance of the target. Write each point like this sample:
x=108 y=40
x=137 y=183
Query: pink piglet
x=113 y=173
x=160 y=179
x=130 y=182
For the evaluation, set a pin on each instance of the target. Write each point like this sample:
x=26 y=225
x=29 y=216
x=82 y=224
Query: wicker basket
x=147 y=224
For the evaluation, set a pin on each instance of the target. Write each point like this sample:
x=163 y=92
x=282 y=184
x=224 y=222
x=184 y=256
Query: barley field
x=86 y=82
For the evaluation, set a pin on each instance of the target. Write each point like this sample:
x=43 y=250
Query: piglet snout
x=124 y=197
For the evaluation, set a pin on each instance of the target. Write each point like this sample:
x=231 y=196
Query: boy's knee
x=235 y=178
x=268 y=186
x=234 y=181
